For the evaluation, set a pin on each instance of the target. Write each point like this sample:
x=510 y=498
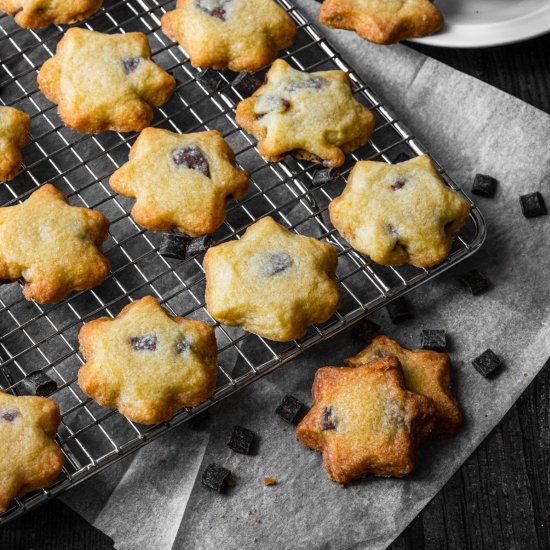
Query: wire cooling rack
x=34 y=337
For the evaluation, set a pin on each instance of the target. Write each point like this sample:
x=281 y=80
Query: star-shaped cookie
x=426 y=372
x=235 y=34
x=14 y=135
x=35 y=14
x=180 y=181
x=272 y=282
x=104 y=81
x=147 y=363
x=311 y=115
x=383 y=21
x=399 y=213
x=29 y=456
x=364 y=421
x=54 y=246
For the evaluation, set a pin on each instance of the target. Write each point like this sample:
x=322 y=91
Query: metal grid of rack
x=45 y=337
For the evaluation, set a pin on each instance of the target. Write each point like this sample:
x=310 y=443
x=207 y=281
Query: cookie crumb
x=270 y=481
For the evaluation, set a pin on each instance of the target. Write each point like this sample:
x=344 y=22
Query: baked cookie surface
x=311 y=115
x=399 y=213
x=235 y=34
x=426 y=372
x=272 y=282
x=35 y=14
x=29 y=456
x=364 y=421
x=147 y=363
x=104 y=81
x=14 y=135
x=383 y=21
x=180 y=181
x=54 y=246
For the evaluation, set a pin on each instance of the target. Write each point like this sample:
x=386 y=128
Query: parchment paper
x=155 y=500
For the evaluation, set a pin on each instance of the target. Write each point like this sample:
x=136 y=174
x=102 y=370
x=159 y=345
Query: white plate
x=481 y=23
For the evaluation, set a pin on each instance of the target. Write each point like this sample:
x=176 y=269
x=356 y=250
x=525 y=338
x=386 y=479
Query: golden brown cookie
x=272 y=282
x=53 y=246
x=14 y=135
x=399 y=213
x=364 y=421
x=426 y=372
x=104 y=81
x=30 y=458
x=311 y=115
x=383 y=21
x=235 y=34
x=35 y=14
x=180 y=181
x=147 y=363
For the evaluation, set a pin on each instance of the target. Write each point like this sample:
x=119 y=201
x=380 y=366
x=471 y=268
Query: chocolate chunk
x=130 y=64
x=327 y=175
x=147 y=342
x=533 y=205
x=290 y=409
x=398 y=184
x=435 y=340
x=215 y=477
x=484 y=186
x=328 y=419
x=401 y=157
x=487 y=363
x=392 y=231
x=246 y=84
x=9 y=415
x=18 y=10
x=215 y=8
x=190 y=156
x=174 y=246
x=365 y=330
x=476 y=282
x=38 y=383
x=398 y=310
x=183 y=345
x=199 y=245
x=311 y=83
x=277 y=262
x=210 y=79
x=241 y=440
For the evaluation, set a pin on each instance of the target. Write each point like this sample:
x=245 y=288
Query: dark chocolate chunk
x=398 y=310
x=289 y=409
x=215 y=477
x=533 y=205
x=9 y=415
x=435 y=340
x=398 y=184
x=241 y=440
x=182 y=345
x=476 y=282
x=401 y=157
x=392 y=231
x=327 y=175
x=214 y=8
x=246 y=84
x=365 y=330
x=277 y=262
x=147 y=342
x=130 y=64
x=38 y=383
x=484 y=186
x=174 y=246
x=210 y=79
x=328 y=419
x=487 y=363
x=190 y=156
x=199 y=245
x=311 y=83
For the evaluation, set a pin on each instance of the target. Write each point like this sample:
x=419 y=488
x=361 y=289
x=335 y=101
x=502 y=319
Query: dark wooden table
x=500 y=498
